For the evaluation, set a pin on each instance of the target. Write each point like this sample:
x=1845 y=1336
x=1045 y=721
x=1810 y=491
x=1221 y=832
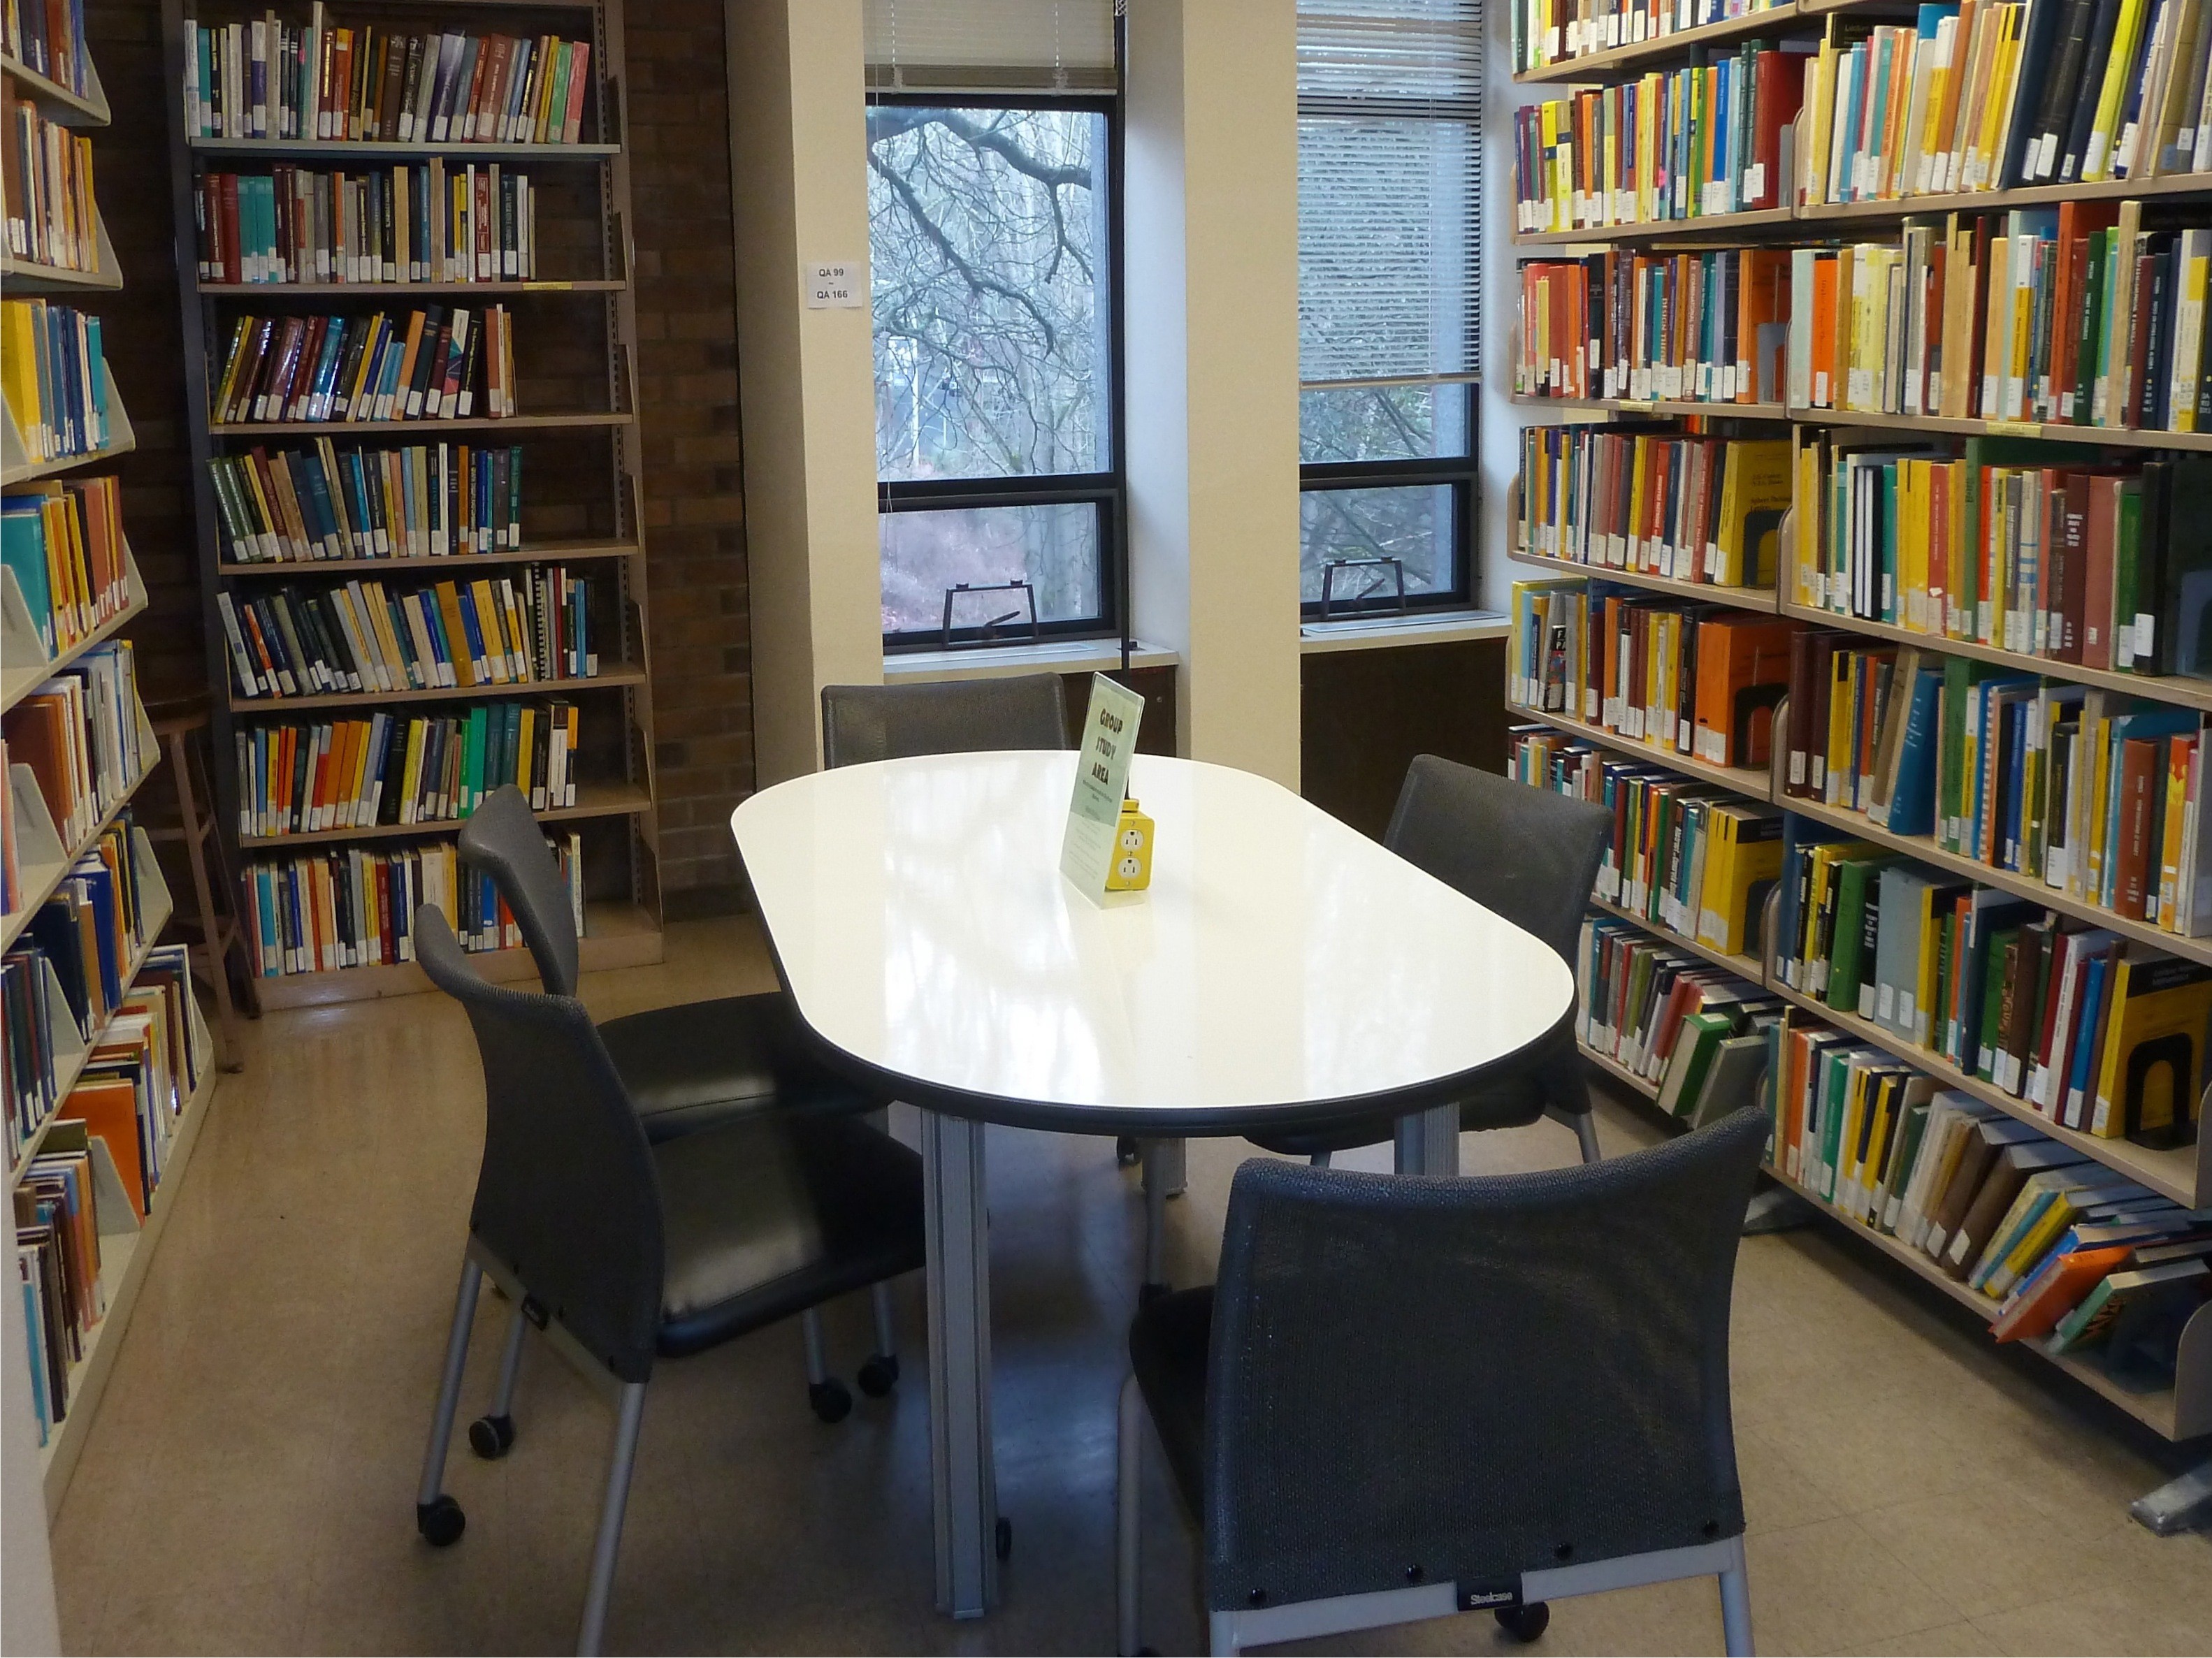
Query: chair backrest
x=503 y=839
x=567 y=1198
x=895 y=722
x=1528 y=854
x=1477 y=1377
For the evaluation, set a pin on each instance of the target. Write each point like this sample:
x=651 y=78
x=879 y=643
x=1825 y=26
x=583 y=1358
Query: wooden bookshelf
x=1743 y=780
x=1744 y=967
x=19 y=679
x=1682 y=406
x=2128 y=437
x=1618 y=1073
x=1703 y=592
x=58 y=103
x=582 y=501
x=1701 y=228
x=1641 y=55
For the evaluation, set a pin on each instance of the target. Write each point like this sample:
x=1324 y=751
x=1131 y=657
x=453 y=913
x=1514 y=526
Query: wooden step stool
x=180 y=726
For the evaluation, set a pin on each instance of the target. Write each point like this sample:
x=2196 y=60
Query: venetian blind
x=990 y=46
x=1389 y=189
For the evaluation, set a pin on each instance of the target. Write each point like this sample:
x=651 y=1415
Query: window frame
x=1106 y=489
x=1461 y=473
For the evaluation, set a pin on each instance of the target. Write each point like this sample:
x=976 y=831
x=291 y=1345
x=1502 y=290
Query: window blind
x=989 y=45
x=1389 y=190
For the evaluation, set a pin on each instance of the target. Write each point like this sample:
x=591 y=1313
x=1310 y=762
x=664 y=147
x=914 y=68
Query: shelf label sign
x=838 y=286
x=1101 y=781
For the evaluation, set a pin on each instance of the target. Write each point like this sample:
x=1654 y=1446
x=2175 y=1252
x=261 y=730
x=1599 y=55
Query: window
x=1389 y=179
x=992 y=219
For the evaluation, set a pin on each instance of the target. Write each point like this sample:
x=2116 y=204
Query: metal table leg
x=1427 y=1143
x=962 y=1481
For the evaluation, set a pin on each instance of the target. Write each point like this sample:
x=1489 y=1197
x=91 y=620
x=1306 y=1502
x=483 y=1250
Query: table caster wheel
x=491 y=1437
x=880 y=1375
x=440 y=1522
x=1127 y=1155
x=1524 y=1623
x=1004 y=1537
x=831 y=1399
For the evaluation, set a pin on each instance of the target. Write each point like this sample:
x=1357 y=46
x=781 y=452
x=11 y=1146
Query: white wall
x=798 y=184
x=1212 y=330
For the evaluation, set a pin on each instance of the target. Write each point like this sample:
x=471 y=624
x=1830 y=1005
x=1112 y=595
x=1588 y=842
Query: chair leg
x=827 y=1395
x=1221 y=1632
x=492 y=1435
x=880 y=1373
x=1735 y=1612
x=1128 y=1518
x=437 y=1516
x=630 y=1413
x=1320 y=1159
x=1156 y=1223
x=1586 y=1136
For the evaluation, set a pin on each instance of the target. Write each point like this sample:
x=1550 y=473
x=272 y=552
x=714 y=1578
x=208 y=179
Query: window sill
x=1387 y=633
x=998 y=662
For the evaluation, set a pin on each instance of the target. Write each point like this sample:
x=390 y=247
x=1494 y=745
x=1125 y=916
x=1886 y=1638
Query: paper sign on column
x=1102 y=779
x=835 y=286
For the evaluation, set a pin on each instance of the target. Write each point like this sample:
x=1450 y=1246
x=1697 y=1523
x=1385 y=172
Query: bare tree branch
x=976 y=279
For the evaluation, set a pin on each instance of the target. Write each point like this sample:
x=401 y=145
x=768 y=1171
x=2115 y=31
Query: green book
x=1990 y=1030
x=1836 y=1086
x=1914 y=1128
x=2126 y=560
x=1845 y=969
x=1694 y=1045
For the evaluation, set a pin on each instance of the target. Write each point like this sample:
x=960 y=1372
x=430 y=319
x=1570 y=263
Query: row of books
x=426 y=223
x=62 y=545
x=2067 y=1252
x=1707 y=327
x=1684 y=855
x=111 y=1144
x=274 y=78
x=46 y=182
x=1692 y=509
x=79 y=733
x=350 y=908
x=53 y=374
x=425 y=500
x=2092 y=793
x=423 y=365
x=47 y=37
x=1994 y=95
x=1554 y=31
x=2102 y=1034
x=521 y=625
x=70 y=969
x=2074 y=315
x=1690 y=679
x=1682 y=144
x=2041 y=551
x=388 y=770
x=1693 y=1030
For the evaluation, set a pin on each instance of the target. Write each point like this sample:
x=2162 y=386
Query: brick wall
x=688 y=395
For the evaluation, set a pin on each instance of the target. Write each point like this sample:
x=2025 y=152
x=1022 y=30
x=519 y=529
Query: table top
x=1281 y=967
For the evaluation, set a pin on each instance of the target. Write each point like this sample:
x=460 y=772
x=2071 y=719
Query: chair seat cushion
x=698 y=1064
x=1170 y=1341
x=768 y=1215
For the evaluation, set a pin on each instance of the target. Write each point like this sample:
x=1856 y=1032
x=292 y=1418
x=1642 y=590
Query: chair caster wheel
x=1003 y=1536
x=1524 y=1623
x=491 y=1437
x=831 y=1399
x=1127 y=1154
x=880 y=1375
x=1149 y=1293
x=440 y=1522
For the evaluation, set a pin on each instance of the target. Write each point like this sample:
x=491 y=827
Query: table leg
x=1427 y=1143
x=963 y=1485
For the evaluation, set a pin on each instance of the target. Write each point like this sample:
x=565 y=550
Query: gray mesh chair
x=861 y=723
x=1531 y=857
x=692 y=1067
x=625 y=1252
x=1409 y=1397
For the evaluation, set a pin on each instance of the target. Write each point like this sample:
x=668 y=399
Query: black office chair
x=1531 y=857
x=1410 y=1397
x=623 y=1251
x=966 y=716
x=688 y=1067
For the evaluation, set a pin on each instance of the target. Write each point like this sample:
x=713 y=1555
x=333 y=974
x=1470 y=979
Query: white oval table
x=1282 y=968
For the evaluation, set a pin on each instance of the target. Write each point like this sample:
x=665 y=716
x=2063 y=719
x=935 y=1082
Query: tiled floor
x=249 y=1483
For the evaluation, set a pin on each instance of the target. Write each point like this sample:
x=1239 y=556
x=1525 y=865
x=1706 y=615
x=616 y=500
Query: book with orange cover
x=108 y=1107
x=2056 y=1291
x=1743 y=671
x=1825 y=279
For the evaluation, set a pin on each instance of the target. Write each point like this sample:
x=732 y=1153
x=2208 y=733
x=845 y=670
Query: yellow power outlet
x=1132 y=869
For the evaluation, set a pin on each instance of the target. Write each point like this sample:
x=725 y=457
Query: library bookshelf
x=2184 y=1174
x=45 y=858
x=575 y=434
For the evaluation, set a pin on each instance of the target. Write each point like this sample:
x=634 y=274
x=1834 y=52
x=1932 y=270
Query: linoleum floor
x=248 y=1485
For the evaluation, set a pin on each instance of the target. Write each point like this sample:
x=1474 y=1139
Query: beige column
x=1211 y=329
x=799 y=181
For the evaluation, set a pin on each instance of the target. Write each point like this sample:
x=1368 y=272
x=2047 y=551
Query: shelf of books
x=404 y=265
